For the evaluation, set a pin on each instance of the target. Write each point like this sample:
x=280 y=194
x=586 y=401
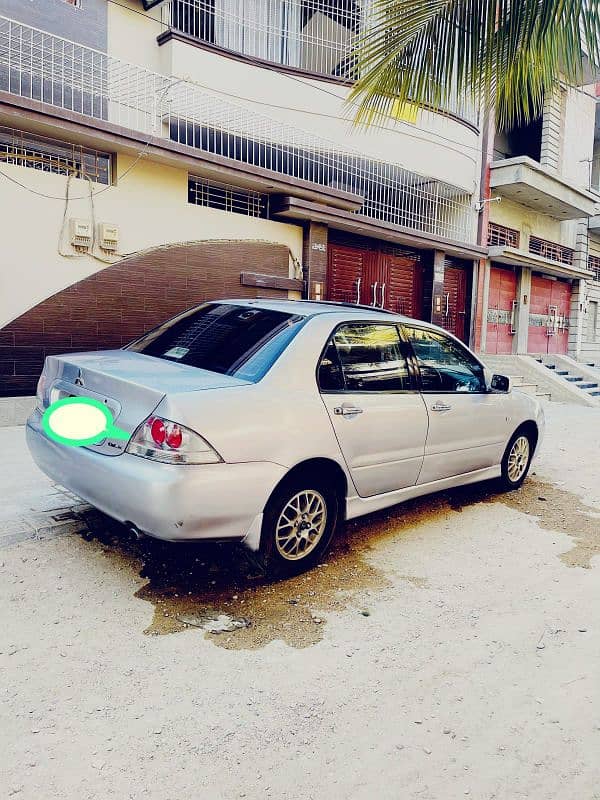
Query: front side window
x=364 y=357
x=243 y=341
x=445 y=365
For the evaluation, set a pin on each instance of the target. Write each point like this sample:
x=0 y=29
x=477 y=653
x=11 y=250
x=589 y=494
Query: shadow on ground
x=221 y=588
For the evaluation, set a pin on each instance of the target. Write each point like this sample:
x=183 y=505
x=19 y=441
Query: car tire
x=299 y=522
x=516 y=460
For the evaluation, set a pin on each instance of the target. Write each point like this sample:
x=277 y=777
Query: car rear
x=167 y=480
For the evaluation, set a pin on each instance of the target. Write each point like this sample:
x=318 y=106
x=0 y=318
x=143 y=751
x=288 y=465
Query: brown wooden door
x=345 y=267
x=455 y=301
x=403 y=286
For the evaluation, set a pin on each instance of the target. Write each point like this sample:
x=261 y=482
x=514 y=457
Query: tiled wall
x=113 y=306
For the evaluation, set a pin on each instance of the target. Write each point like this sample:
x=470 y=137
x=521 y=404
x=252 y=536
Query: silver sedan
x=272 y=422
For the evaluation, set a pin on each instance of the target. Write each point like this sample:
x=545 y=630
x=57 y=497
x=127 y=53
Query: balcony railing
x=37 y=65
x=499 y=235
x=594 y=266
x=551 y=250
x=316 y=36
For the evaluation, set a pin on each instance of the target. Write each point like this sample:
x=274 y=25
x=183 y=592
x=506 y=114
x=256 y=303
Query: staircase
x=513 y=367
x=583 y=377
x=556 y=378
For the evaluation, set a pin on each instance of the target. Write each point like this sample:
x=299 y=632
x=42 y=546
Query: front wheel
x=298 y=525
x=516 y=460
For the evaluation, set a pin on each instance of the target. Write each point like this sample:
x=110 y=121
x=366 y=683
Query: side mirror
x=500 y=383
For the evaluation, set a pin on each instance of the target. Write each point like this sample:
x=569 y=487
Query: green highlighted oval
x=80 y=421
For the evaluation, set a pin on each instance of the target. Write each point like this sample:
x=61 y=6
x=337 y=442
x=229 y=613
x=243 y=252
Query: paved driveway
x=447 y=648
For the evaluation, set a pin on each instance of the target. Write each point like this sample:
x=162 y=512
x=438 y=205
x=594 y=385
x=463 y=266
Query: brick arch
x=115 y=305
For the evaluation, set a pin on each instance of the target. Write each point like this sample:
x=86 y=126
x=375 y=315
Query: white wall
x=578 y=137
x=436 y=146
x=149 y=206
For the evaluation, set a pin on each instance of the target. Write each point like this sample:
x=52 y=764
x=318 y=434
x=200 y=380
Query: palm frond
x=505 y=53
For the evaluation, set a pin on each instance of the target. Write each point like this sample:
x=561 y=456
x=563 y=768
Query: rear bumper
x=176 y=503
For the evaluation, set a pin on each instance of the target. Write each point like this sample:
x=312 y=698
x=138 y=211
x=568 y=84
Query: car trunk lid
x=130 y=384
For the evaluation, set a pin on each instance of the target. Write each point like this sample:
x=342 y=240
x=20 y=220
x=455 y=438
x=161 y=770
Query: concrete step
x=543 y=395
x=527 y=388
x=573 y=378
x=588 y=385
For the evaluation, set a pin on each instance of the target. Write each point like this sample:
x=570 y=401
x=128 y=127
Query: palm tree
x=505 y=53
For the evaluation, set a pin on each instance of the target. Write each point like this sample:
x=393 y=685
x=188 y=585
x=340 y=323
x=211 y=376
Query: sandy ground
x=448 y=648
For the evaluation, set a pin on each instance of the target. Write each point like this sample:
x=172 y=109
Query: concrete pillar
x=580 y=259
x=522 y=313
x=483 y=303
x=314 y=257
x=576 y=318
x=438 y=301
x=552 y=130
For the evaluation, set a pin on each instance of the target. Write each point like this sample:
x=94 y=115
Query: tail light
x=40 y=392
x=162 y=440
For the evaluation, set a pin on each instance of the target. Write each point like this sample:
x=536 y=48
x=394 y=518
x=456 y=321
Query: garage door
x=501 y=309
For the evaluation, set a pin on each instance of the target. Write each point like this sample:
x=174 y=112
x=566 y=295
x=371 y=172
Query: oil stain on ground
x=193 y=586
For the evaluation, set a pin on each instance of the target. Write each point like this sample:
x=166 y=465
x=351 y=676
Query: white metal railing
x=317 y=36
x=37 y=65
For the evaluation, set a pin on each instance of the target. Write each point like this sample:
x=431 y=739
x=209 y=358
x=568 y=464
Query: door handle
x=439 y=406
x=374 y=287
x=382 y=295
x=347 y=411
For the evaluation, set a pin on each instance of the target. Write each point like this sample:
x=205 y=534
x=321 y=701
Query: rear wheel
x=516 y=460
x=298 y=525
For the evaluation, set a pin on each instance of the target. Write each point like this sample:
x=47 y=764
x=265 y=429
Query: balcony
x=526 y=182
x=317 y=37
x=509 y=246
x=38 y=66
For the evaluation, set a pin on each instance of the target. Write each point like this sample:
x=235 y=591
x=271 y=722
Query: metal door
x=502 y=309
x=548 y=315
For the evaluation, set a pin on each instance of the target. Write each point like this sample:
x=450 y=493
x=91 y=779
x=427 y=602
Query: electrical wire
x=118 y=179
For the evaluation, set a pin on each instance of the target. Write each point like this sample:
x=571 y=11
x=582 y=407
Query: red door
x=455 y=301
x=548 y=316
x=500 y=316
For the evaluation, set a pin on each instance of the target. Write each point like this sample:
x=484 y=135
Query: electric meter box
x=108 y=236
x=81 y=232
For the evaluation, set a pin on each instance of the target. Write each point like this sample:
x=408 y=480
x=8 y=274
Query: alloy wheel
x=518 y=459
x=301 y=525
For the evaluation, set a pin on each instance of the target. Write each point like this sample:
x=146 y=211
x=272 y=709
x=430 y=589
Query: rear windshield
x=220 y=337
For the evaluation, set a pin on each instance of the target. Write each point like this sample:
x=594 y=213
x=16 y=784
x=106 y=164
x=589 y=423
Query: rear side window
x=243 y=341
x=363 y=357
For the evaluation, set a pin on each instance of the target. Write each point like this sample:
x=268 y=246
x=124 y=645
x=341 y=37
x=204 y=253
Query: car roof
x=310 y=308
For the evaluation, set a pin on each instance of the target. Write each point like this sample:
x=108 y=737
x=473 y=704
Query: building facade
x=540 y=285
x=156 y=154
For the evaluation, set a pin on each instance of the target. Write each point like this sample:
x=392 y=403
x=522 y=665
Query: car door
x=379 y=418
x=468 y=426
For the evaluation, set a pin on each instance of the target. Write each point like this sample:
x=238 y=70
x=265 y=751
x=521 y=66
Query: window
x=445 y=365
x=363 y=357
x=227 y=198
x=232 y=340
x=52 y=155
